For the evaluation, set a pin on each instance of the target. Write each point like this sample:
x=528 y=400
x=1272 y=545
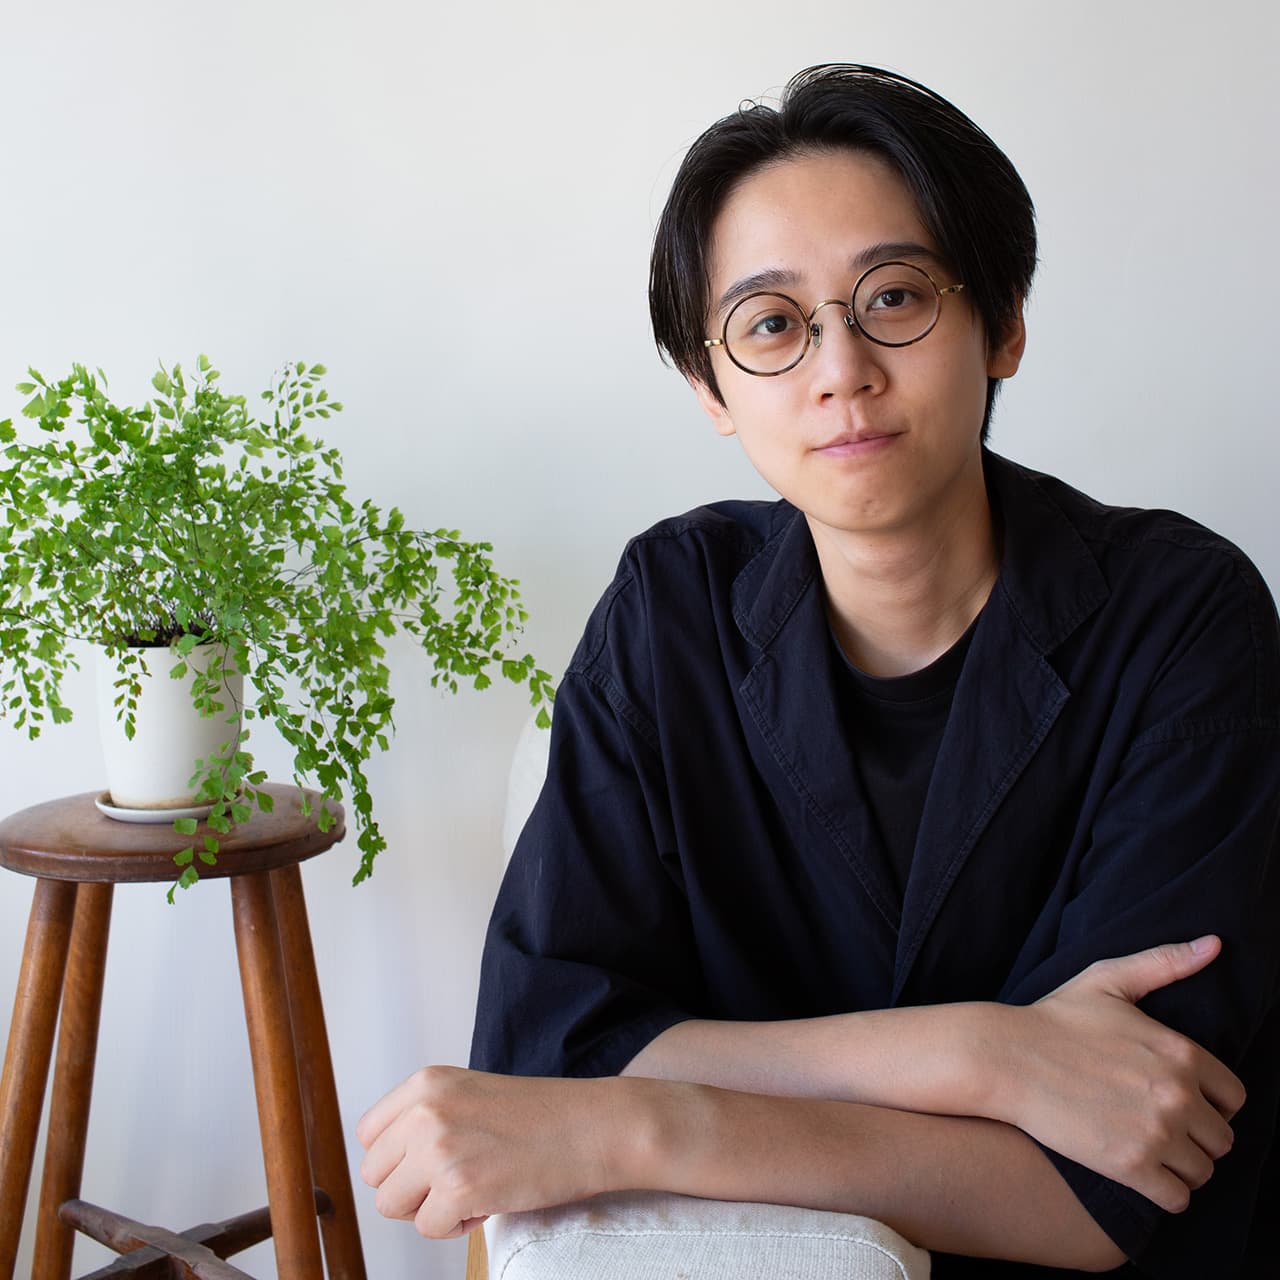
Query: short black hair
x=969 y=196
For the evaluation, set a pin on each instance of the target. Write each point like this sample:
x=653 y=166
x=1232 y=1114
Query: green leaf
x=151 y=523
x=177 y=671
x=185 y=827
x=184 y=856
x=208 y=856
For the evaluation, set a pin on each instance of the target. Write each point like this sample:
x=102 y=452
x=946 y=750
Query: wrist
x=653 y=1127
x=995 y=1080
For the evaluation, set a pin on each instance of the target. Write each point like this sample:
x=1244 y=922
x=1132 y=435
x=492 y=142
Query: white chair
x=645 y=1235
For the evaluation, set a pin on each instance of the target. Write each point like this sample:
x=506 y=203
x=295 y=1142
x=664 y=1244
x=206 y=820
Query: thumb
x=1132 y=977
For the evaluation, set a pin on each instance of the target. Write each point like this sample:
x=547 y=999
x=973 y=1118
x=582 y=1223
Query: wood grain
x=275 y=1079
x=342 y=1252
x=26 y=1059
x=72 y=1079
x=69 y=839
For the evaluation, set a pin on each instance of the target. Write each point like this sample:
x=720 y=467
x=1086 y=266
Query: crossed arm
x=922 y=1118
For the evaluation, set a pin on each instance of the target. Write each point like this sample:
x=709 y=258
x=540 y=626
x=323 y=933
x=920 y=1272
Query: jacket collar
x=1007 y=699
x=1035 y=533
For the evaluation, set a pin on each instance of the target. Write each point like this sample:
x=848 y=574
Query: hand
x=448 y=1147
x=1099 y=1081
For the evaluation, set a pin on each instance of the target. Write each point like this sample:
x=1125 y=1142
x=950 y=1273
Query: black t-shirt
x=895 y=727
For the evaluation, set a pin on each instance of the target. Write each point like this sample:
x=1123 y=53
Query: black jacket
x=1109 y=779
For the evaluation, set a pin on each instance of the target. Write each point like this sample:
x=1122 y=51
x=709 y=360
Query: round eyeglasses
x=893 y=304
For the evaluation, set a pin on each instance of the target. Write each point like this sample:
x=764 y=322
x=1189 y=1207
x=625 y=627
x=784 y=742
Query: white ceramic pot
x=152 y=770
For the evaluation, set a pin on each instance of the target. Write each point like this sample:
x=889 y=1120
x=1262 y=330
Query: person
x=908 y=844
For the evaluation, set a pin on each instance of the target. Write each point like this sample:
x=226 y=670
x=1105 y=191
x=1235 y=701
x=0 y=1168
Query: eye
x=772 y=325
x=894 y=298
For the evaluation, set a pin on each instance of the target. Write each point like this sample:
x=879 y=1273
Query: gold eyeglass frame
x=813 y=330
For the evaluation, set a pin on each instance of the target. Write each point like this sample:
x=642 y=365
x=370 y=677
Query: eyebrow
x=781 y=277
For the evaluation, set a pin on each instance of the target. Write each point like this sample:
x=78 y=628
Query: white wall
x=451 y=206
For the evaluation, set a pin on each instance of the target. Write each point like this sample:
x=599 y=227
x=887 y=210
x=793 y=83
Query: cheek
x=956 y=381
x=763 y=409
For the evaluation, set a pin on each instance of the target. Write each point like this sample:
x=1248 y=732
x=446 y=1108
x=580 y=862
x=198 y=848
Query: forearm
x=953 y=1184
x=914 y=1059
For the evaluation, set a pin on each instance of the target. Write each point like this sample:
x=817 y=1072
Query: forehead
x=814 y=218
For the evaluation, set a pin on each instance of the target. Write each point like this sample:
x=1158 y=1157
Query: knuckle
x=422 y=1112
x=1185 y=1053
x=1172 y=1097
x=429 y=1079
x=459 y=1181
x=1131 y=1160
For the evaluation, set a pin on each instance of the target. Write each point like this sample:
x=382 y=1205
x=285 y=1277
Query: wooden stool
x=79 y=856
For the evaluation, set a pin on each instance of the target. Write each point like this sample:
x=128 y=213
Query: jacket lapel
x=1008 y=696
x=790 y=694
x=1006 y=701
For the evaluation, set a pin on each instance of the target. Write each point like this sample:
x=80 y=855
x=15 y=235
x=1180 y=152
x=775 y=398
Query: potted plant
x=228 y=543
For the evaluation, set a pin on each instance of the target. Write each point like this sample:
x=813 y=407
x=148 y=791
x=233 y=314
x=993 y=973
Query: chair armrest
x=638 y=1235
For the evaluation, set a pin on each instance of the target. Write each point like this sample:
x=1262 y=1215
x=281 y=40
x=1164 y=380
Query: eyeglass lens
x=895 y=304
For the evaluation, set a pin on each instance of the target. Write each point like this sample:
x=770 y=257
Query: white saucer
x=104 y=804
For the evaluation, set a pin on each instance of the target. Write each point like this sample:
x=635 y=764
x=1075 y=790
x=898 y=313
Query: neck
x=900 y=599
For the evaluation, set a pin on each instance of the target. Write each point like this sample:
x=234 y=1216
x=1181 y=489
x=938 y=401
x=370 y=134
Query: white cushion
x=643 y=1235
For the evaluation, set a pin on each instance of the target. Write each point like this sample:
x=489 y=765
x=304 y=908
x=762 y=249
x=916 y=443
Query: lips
x=857 y=441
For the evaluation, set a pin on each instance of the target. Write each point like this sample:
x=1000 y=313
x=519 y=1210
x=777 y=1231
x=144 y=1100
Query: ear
x=713 y=408
x=1005 y=356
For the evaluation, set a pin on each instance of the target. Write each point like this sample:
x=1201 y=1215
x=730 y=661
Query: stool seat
x=71 y=839
x=78 y=855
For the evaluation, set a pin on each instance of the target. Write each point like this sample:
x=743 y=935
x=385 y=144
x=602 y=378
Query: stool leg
x=339 y=1230
x=275 y=1078
x=26 y=1059
x=72 y=1079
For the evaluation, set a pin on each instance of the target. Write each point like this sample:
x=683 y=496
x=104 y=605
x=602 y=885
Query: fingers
x=383 y=1156
x=1221 y=1086
x=403 y=1193
x=1190 y=1166
x=428 y=1221
x=384 y=1111
x=1213 y=1135
x=1135 y=976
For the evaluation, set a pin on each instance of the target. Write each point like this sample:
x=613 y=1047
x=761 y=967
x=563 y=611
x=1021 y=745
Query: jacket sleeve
x=589 y=953
x=1185 y=843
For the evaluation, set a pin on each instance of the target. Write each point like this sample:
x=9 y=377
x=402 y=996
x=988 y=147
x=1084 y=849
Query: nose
x=843 y=368
x=815 y=326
